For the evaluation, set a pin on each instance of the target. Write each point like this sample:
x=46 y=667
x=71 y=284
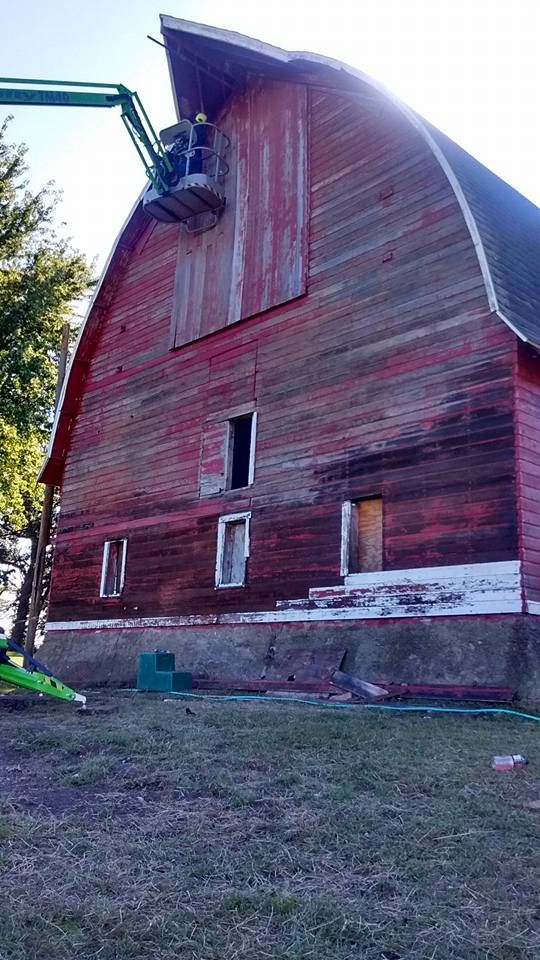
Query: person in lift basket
x=188 y=145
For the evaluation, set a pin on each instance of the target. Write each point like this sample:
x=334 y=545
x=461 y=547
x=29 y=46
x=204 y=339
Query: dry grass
x=254 y=831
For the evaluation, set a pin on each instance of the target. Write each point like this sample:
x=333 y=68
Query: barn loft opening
x=241 y=450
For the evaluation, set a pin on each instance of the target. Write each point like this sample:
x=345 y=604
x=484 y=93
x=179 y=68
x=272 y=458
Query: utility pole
x=34 y=609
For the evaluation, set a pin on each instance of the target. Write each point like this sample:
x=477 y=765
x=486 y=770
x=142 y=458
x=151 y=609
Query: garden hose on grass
x=414 y=708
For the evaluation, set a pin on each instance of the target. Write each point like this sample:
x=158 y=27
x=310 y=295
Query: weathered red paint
x=527 y=390
x=255 y=257
x=388 y=377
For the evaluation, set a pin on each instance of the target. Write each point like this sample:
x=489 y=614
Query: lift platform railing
x=198 y=147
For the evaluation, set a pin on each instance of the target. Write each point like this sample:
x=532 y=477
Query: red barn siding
x=255 y=257
x=389 y=378
x=528 y=463
x=275 y=261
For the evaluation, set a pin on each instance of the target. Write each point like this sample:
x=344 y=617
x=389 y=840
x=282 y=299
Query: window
x=232 y=550
x=241 y=460
x=362 y=536
x=113 y=570
x=227 y=460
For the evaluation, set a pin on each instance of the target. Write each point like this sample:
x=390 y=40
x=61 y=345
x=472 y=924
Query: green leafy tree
x=41 y=280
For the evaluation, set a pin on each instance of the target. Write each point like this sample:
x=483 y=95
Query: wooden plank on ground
x=360 y=688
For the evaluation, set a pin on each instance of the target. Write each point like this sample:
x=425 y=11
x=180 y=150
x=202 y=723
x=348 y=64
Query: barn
x=309 y=420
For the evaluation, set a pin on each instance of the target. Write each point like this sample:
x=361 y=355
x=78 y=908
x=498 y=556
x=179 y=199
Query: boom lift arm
x=185 y=180
x=158 y=164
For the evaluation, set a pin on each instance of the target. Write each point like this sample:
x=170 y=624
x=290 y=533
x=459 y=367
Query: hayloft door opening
x=363 y=536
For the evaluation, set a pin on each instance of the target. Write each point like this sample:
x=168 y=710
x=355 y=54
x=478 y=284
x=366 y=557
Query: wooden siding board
x=274 y=267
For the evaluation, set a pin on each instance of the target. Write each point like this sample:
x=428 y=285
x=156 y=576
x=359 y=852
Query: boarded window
x=241 y=451
x=362 y=536
x=113 y=570
x=232 y=550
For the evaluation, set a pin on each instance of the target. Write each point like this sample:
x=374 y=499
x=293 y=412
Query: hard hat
x=200 y=118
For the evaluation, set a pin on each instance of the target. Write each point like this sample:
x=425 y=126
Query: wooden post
x=46 y=515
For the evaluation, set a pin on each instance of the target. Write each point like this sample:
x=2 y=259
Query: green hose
x=348 y=706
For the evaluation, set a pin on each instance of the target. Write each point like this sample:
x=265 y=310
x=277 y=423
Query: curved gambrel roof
x=509 y=229
x=504 y=226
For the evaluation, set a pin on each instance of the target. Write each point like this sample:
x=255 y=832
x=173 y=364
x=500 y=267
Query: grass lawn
x=255 y=831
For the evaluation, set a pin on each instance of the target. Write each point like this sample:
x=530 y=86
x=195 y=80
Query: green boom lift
x=19 y=669
x=185 y=164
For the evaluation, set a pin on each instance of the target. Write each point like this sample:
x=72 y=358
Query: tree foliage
x=41 y=280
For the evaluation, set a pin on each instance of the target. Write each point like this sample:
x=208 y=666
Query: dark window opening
x=366 y=536
x=241 y=452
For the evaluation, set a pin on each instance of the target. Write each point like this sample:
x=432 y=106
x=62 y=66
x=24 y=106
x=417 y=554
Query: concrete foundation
x=498 y=650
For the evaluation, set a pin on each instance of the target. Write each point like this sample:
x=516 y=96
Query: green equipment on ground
x=157 y=673
x=185 y=164
x=21 y=670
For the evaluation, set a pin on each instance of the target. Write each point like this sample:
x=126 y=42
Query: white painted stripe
x=287 y=616
x=533 y=606
x=392 y=601
x=468 y=571
x=475 y=589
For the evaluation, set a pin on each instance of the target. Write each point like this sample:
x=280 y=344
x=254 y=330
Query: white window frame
x=222 y=522
x=252 y=443
x=105 y=563
x=251 y=472
x=346 y=509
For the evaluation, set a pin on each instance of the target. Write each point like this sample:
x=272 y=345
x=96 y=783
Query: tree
x=41 y=280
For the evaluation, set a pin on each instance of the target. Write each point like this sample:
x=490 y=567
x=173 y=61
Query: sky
x=470 y=66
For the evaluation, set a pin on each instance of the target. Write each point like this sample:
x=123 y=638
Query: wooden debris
x=360 y=688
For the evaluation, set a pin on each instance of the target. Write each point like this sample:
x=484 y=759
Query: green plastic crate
x=156 y=673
